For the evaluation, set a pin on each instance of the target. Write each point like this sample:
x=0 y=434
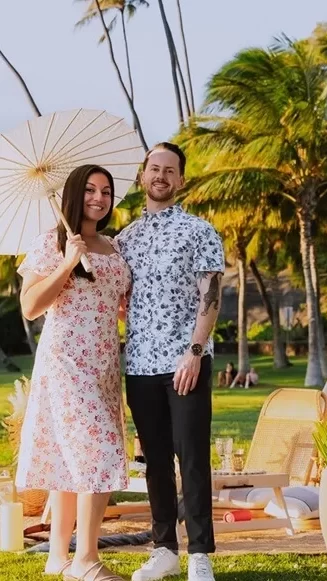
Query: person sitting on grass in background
x=226 y=377
x=251 y=378
x=245 y=380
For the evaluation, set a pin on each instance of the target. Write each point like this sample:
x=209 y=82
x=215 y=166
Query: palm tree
x=99 y=7
x=275 y=133
x=22 y=82
x=126 y=8
x=172 y=55
x=187 y=62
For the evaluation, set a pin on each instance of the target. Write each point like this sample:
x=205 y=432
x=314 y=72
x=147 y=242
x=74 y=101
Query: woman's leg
x=247 y=381
x=63 y=517
x=90 y=511
x=221 y=379
x=228 y=378
x=236 y=380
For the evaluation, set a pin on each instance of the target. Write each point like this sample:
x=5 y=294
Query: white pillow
x=301 y=501
x=244 y=497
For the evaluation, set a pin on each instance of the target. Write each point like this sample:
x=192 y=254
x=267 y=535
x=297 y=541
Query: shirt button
x=155 y=224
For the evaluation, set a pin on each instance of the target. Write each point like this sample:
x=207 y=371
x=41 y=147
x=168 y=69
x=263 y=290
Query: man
x=177 y=263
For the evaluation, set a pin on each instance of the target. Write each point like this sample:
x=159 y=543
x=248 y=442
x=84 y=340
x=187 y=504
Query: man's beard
x=160 y=197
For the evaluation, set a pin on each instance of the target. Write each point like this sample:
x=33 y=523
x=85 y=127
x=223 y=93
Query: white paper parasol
x=37 y=157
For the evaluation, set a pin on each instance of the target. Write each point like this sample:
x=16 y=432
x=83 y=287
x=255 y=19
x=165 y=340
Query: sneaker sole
x=170 y=573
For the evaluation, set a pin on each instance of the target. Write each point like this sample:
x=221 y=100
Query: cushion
x=245 y=497
x=302 y=502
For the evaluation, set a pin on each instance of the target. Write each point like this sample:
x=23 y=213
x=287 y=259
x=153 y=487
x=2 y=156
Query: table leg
x=281 y=502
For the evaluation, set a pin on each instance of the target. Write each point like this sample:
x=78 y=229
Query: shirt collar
x=170 y=211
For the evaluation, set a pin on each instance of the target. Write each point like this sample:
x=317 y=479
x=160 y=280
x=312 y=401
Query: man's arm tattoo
x=213 y=295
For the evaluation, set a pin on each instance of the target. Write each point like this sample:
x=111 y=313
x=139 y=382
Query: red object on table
x=237 y=515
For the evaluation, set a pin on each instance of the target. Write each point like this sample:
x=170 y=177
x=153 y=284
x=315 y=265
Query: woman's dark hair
x=73 y=207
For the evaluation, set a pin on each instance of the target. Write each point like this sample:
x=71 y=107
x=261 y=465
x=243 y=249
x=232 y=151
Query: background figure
x=177 y=263
x=72 y=438
x=226 y=377
x=245 y=379
x=251 y=378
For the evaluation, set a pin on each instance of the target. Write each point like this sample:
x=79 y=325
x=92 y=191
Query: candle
x=11 y=526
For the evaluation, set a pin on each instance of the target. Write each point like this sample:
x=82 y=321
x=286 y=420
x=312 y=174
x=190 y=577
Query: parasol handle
x=84 y=260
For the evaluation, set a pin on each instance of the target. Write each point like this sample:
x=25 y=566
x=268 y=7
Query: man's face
x=162 y=178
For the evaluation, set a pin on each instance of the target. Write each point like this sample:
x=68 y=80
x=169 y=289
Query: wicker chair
x=282 y=441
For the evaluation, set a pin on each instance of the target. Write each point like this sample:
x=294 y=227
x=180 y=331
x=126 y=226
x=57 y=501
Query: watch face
x=196 y=349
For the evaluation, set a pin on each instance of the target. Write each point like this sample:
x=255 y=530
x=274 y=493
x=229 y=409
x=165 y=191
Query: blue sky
x=65 y=68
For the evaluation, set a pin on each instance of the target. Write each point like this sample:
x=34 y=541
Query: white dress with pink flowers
x=72 y=436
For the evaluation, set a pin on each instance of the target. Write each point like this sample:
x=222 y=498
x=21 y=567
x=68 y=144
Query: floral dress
x=72 y=437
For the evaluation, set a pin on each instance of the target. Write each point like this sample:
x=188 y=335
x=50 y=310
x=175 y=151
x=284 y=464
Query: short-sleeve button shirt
x=165 y=251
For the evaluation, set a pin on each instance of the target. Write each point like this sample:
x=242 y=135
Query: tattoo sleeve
x=212 y=296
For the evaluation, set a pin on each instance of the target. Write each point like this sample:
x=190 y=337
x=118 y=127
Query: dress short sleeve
x=43 y=256
x=209 y=252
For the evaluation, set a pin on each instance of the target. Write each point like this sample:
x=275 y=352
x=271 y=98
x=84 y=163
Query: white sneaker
x=199 y=568
x=162 y=563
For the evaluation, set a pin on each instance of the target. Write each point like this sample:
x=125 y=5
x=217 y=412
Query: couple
x=170 y=265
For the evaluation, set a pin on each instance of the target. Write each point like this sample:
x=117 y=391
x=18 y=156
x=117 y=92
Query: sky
x=65 y=68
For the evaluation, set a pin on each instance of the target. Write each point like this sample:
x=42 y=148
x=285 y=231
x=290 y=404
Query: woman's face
x=97 y=197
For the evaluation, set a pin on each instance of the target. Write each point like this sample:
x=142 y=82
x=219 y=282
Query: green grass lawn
x=235 y=413
x=287 y=567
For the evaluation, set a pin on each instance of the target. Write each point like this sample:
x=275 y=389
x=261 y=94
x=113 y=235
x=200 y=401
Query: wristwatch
x=196 y=349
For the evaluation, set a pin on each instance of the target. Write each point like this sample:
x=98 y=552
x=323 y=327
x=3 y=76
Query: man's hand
x=187 y=373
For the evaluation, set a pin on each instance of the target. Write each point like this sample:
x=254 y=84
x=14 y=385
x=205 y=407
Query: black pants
x=168 y=423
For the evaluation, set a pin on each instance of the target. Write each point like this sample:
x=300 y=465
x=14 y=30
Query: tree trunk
x=172 y=54
x=22 y=82
x=313 y=374
x=136 y=120
x=188 y=70
x=262 y=290
x=272 y=308
x=243 y=348
x=128 y=60
x=6 y=362
x=316 y=288
x=280 y=357
x=181 y=77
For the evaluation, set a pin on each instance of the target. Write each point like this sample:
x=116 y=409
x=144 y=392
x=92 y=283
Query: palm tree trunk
x=128 y=60
x=243 y=348
x=262 y=289
x=313 y=374
x=280 y=357
x=181 y=78
x=22 y=82
x=120 y=78
x=316 y=288
x=172 y=54
x=188 y=70
x=6 y=362
x=272 y=308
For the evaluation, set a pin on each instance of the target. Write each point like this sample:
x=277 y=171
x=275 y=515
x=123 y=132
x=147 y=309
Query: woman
x=72 y=438
x=226 y=377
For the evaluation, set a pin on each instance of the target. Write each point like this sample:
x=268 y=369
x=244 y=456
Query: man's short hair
x=170 y=147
